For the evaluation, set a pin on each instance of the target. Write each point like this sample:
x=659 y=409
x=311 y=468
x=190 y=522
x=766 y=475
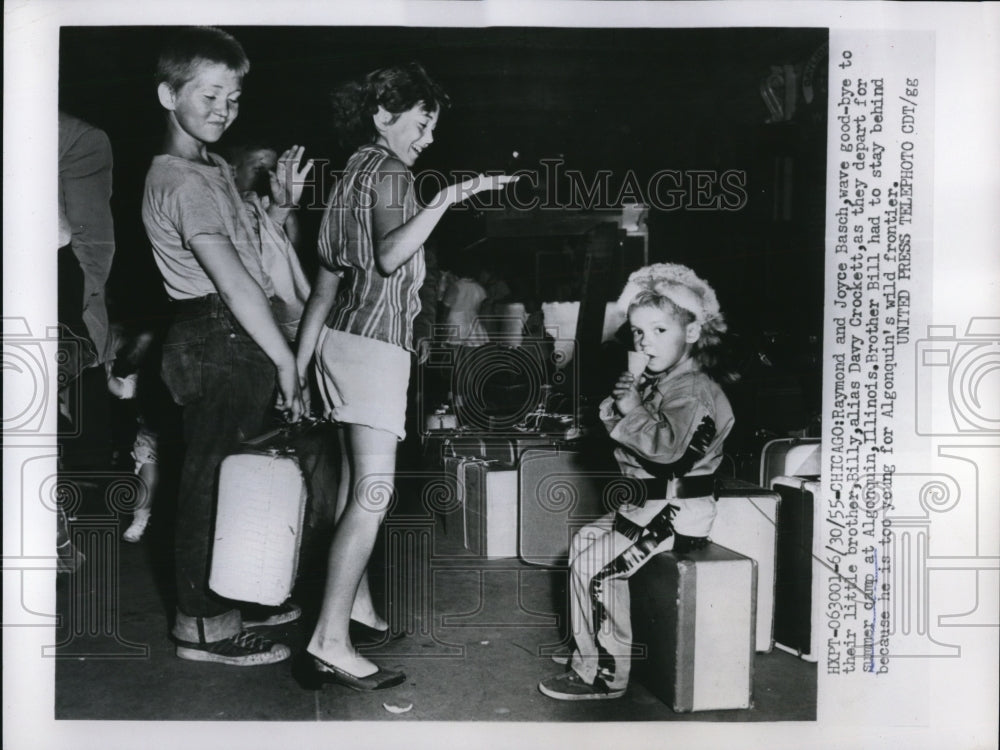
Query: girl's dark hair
x=188 y=48
x=397 y=89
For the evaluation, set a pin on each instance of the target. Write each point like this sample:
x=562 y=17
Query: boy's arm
x=244 y=297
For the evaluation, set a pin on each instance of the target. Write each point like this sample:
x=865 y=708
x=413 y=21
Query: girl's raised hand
x=467 y=188
x=288 y=177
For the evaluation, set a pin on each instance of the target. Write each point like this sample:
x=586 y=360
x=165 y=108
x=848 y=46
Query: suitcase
x=789 y=457
x=441 y=420
x=504 y=450
x=484 y=518
x=259 y=521
x=558 y=494
x=694 y=615
x=747 y=522
x=798 y=596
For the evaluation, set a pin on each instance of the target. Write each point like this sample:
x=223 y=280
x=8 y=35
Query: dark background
x=620 y=100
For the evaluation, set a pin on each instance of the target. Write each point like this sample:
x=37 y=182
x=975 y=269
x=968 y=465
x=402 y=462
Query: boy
x=223 y=351
x=255 y=172
x=670 y=420
x=270 y=187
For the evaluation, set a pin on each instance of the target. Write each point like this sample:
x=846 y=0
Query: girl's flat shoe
x=312 y=674
x=365 y=635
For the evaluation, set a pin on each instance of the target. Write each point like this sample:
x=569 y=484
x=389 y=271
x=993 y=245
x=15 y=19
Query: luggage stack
x=483 y=470
x=483 y=520
x=504 y=449
x=747 y=523
x=791 y=468
x=559 y=492
x=789 y=457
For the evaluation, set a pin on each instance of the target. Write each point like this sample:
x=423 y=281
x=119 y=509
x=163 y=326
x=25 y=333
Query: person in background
x=498 y=294
x=269 y=185
x=86 y=251
x=126 y=385
x=255 y=171
x=461 y=302
x=86 y=227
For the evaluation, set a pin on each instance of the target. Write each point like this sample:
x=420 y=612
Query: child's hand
x=626 y=394
x=467 y=188
x=290 y=399
x=302 y=372
x=288 y=177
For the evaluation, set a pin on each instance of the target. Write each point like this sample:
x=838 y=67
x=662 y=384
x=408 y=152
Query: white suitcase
x=789 y=457
x=747 y=522
x=484 y=517
x=559 y=493
x=259 y=522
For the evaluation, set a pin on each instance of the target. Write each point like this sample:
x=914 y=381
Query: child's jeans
x=601 y=561
x=225 y=384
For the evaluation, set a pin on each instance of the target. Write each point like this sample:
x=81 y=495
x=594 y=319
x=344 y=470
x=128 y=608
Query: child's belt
x=678 y=488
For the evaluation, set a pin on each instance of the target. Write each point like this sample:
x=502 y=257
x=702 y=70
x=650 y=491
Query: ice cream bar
x=637 y=362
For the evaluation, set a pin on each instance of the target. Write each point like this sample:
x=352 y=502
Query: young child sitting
x=670 y=423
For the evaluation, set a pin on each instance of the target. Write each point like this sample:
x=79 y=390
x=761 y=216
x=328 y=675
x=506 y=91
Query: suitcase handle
x=282 y=436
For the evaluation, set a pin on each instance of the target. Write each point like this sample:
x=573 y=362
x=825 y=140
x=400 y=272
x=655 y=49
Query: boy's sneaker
x=245 y=649
x=569 y=686
x=260 y=616
x=138 y=527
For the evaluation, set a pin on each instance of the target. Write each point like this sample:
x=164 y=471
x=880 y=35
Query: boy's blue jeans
x=225 y=384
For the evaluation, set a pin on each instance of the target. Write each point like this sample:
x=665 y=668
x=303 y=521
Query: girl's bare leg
x=363 y=609
x=372 y=467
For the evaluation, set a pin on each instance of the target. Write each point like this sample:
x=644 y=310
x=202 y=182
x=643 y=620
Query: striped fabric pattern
x=369 y=303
